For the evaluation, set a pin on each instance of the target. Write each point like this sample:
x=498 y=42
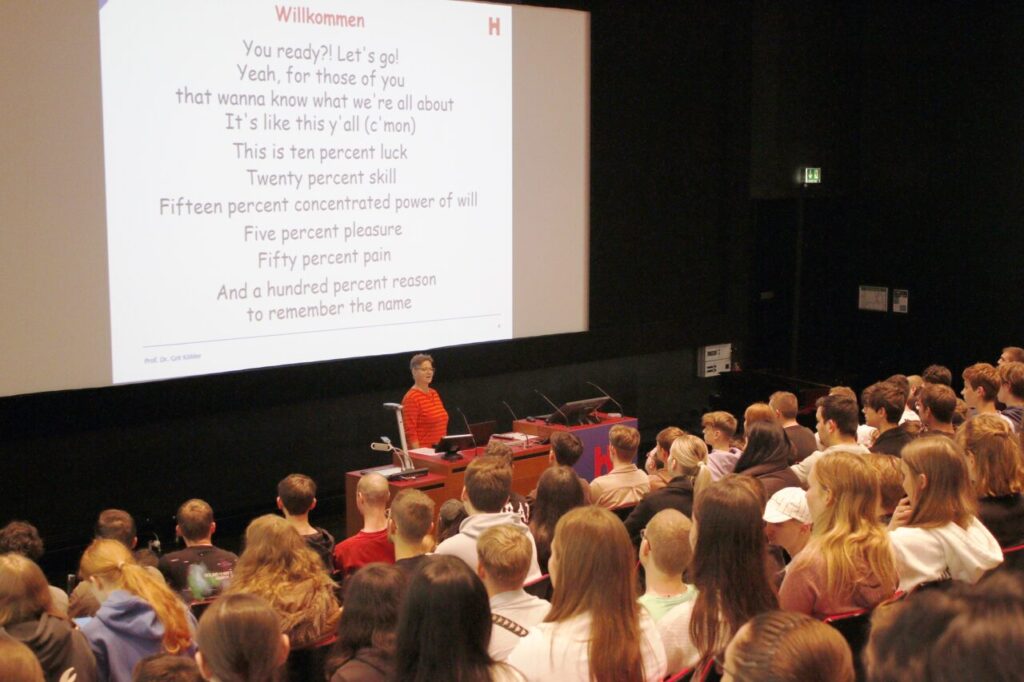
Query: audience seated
x=596 y=628
x=719 y=430
x=410 y=529
x=658 y=456
x=890 y=483
x=566 y=450
x=729 y=566
x=449 y=517
x=1011 y=392
x=165 y=668
x=937 y=403
x=22 y=538
x=766 y=457
x=686 y=463
x=757 y=412
x=239 y=639
x=997 y=474
x=785 y=406
x=787 y=520
x=934 y=531
x=625 y=484
x=365 y=650
x=444 y=626
x=504 y=561
x=936 y=375
x=782 y=646
x=516 y=502
x=981 y=388
x=371 y=543
x=865 y=434
x=485 y=493
x=139 y=614
x=18 y=663
x=557 y=493
x=904 y=384
x=848 y=563
x=665 y=553
x=200 y=570
x=296 y=498
x=1011 y=354
x=837 y=430
x=280 y=567
x=28 y=615
x=117 y=524
x=883 y=406
x=969 y=632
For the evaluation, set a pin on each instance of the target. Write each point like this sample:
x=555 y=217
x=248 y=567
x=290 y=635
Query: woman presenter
x=426 y=421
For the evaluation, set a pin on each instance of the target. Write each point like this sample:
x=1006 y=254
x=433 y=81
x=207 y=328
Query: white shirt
x=560 y=651
x=522 y=608
x=927 y=554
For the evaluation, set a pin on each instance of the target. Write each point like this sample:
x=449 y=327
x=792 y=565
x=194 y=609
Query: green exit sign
x=812 y=176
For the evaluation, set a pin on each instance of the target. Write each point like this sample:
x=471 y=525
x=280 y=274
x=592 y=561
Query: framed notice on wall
x=899 y=300
x=873 y=298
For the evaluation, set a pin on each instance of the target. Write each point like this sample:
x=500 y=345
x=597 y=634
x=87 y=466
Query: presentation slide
x=193 y=186
x=321 y=181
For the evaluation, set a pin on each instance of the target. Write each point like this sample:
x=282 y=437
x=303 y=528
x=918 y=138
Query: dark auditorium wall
x=913 y=110
x=670 y=225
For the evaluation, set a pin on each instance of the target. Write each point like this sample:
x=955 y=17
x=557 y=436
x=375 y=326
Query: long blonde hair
x=848 y=535
x=113 y=563
x=948 y=496
x=275 y=563
x=997 y=455
x=596 y=574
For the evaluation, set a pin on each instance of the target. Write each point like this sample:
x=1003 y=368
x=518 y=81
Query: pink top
x=803 y=589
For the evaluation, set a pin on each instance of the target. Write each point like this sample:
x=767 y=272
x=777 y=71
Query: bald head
x=668 y=535
x=373 y=488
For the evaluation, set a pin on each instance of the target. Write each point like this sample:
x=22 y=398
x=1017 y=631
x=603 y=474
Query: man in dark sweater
x=884 y=403
x=785 y=406
x=200 y=570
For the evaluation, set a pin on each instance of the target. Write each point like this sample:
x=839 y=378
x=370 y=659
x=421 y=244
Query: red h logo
x=602 y=461
x=494 y=26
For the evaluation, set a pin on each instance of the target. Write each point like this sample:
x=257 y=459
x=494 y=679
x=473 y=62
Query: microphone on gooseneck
x=552 y=404
x=466 y=422
x=607 y=395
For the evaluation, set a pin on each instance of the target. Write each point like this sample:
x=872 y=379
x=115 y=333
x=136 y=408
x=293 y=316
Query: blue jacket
x=124 y=631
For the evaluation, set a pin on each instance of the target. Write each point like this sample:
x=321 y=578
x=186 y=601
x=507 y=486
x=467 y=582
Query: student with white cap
x=788 y=520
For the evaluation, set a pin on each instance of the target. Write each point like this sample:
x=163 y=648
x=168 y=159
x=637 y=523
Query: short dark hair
x=488 y=484
x=116 y=524
x=937 y=374
x=166 y=668
x=940 y=401
x=297 y=492
x=903 y=382
x=21 y=537
x=568 y=448
x=886 y=397
x=195 y=519
x=842 y=410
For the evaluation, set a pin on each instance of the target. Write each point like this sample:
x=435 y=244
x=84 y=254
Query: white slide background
x=194 y=293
